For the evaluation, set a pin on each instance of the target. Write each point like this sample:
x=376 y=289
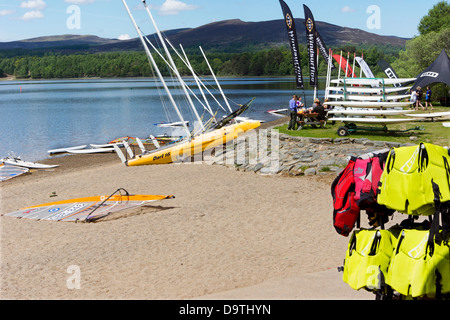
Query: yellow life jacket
x=367 y=258
x=406 y=184
x=417 y=271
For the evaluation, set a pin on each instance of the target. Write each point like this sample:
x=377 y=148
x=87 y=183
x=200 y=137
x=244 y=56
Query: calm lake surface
x=37 y=116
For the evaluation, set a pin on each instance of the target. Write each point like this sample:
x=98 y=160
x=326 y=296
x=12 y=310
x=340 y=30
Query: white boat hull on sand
x=92 y=150
x=106 y=145
x=28 y=164
x=63 y=150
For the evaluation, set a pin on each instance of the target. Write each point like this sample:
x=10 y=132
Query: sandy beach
x=226 y=235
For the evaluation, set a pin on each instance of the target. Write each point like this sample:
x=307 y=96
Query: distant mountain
x=228 y=35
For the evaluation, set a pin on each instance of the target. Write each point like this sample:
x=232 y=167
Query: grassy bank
x=432 y=132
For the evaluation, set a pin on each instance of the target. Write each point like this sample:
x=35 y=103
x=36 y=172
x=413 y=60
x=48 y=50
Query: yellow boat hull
x=198 y=144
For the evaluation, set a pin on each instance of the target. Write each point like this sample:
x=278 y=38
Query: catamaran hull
x=198 y=144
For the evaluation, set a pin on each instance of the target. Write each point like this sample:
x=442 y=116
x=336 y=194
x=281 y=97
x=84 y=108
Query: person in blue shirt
x=428 y=99
x=293 y=112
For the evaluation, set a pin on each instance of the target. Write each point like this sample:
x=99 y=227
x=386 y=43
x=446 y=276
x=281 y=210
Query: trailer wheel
x=342 y=131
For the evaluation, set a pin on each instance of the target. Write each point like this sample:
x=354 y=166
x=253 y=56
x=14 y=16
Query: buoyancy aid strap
x=423 y=158
x=434 y=229
x=447 y=170
x=390 y=161
x=375 y=243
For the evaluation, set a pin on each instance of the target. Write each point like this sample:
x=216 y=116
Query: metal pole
x=152 y=61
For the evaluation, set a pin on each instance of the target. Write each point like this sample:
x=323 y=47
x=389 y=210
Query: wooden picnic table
x=306 y=118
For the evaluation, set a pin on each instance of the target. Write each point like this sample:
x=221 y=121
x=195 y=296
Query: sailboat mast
x=171 y=68
x=201 y=83
x=152 y=61
x=217 y=82
x=188 y=63
x=173 y=65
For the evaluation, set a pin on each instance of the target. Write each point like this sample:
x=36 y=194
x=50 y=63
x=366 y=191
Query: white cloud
x=79 y=1
x=6 y=12
x=172 y=7
x=347 y=9
x=33 y=4
x=35 y=14
x=124 y=37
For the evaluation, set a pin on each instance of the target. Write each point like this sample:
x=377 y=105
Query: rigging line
x=182 y=99
x=184 y=83
x=218 y=85
x=150 y=57
x=196 y=79
x=195 y=74
x=161 y=96
x=172 y=63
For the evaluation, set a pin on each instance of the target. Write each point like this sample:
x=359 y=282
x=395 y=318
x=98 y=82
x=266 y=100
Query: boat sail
x=192 y=143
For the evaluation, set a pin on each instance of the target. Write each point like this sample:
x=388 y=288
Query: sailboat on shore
x=200 y=139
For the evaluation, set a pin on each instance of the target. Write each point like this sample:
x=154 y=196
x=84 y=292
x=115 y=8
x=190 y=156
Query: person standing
x=419 y=98
x=413 y=99
x=428 y=98
x=293 y=112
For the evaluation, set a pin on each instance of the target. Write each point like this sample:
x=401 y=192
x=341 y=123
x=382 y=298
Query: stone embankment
x=282 y=154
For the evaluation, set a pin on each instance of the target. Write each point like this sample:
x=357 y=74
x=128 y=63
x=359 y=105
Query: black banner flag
x=386 y=67
x=311 y=45
x=292 y=34
x=323 y=49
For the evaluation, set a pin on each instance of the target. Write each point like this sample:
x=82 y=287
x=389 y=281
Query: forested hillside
x=271 y=62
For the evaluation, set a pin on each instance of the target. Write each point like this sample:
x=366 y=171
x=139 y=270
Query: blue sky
x=24 y=19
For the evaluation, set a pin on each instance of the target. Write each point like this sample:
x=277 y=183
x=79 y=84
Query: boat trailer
x=352 y=128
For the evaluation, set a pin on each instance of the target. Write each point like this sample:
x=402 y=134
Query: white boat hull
x=27 y=164
x=373 y=120
x=360 y=104
x=359 y=97
x=92 y=150
x=363 y=113
x=431 y=115
x=62 y=150
x=372 y=81
x=368 y=90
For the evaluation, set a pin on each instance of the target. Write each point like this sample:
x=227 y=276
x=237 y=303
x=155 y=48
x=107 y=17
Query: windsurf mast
x=173 y=65
x=217 y=82
x=152 y=61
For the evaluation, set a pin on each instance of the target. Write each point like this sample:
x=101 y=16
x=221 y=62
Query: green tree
x=437 y=18
x=420 y=52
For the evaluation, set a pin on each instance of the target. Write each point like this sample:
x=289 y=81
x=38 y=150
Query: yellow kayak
x=198 y=144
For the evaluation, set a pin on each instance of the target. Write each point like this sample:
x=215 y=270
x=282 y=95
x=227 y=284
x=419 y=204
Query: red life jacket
x=355 y=189
x=345 y=209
